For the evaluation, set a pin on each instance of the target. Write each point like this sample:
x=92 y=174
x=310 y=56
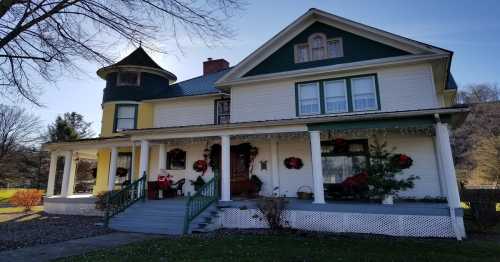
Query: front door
x=240 y=157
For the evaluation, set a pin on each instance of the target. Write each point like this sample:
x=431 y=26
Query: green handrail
x=201 y=200
x=117 y=201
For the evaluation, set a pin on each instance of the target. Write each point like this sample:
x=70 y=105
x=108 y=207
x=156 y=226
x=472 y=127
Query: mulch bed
x=42 y=228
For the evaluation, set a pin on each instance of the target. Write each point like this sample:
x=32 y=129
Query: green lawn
x=293 y=247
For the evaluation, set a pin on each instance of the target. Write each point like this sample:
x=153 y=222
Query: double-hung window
x=125 y=117
x=309 y=98
x=364 y=94
x=222 y=111
x=335 y=92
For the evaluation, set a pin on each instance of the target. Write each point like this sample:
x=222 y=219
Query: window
x=335 y=96
x=334 y=48
x=318 y=47
x=364 y=95
x=317 y=42
x=128 y=79
x=176 y=159
x=301 y=53
x=309 y=98
x=222 y=111
x=124 y=168
x=343 y=158
x=125 y=117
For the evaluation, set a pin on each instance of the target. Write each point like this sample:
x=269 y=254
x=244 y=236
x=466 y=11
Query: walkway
x=72 y=247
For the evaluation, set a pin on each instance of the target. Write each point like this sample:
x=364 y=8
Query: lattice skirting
x=393 y=225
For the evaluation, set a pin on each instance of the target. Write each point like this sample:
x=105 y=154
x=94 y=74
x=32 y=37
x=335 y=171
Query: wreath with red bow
x=200 y=166
x=401 y=161
x=293 y=163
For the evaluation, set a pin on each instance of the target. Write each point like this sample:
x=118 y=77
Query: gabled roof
x=415 y=48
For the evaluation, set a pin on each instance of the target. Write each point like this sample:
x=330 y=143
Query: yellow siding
x=101 y=182
x=108 y=115
x=145 y=115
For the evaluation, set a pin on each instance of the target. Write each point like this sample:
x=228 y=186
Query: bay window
x=309 y=98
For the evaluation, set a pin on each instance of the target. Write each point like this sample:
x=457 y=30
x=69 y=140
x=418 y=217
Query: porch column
x=52 y=174
x=144 y=161
x=225 y=166
x=68 y=155
x=132 y=167
x=448 y=168
x=112 y=168
x=317 y=169
x=162 y=157
x=275 y=168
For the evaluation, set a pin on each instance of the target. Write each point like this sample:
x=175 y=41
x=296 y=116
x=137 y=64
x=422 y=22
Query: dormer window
x=128 y=78
x=318 y=47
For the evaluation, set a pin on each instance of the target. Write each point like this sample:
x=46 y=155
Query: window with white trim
x=335 y=92
x=364 y=94
x=128 y=78
x=222 y=111
x=125 y=117
x=309 y=98
x=318 y=47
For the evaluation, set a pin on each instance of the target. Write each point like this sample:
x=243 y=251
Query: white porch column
x=225 y=166
x=68 y=155
x=52 y=174
x=144 y=161
x=317 y=169
x=162 y=157
x=275 y=180
x=112 y=168
x=448 y=168
x=132 y=172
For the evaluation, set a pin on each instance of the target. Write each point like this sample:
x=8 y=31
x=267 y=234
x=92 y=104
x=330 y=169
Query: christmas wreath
x=200 y=166
x=293 y=163
x=401 y=161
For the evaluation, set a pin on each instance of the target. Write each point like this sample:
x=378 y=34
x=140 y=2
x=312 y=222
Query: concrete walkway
x=72 y=247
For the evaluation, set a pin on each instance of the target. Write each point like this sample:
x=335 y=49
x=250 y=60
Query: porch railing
x=201 y=200
x=117 y=201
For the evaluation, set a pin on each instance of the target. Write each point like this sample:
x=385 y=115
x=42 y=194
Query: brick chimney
x=213 y=66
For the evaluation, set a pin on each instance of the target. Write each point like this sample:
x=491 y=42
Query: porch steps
x=156 y=216
x=207 y=221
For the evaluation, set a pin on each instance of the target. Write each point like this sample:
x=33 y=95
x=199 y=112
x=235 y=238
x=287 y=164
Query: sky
x=471 y=29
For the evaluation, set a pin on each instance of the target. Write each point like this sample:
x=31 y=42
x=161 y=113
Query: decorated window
x=364 y=96
x=123 y=168
x=342 y=159
x=335 y=96
x=222 y=111
x=128 y=78
x=318 y=47
x=309 y=98
x=176 y=159
x=125 y=117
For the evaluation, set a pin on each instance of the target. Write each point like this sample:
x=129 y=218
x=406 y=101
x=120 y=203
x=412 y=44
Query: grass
x=5 y=194
x=294 y=247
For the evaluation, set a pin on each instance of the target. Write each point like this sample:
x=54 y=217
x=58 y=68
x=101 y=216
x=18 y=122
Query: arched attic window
x=317 y=46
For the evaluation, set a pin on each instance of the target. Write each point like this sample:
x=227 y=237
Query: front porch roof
x=397 y=119
x=88 y=143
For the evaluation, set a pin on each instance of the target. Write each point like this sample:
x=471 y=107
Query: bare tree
x=478 y=93
x=40 y=38
x=17 y=129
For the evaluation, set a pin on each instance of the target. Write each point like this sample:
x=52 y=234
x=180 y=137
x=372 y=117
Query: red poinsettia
x=356 y=182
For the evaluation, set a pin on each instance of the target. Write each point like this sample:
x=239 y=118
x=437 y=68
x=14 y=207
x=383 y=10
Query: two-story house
x=296 y=115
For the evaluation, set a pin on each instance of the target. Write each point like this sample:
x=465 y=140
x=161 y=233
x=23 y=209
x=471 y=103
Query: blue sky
x=469 y=28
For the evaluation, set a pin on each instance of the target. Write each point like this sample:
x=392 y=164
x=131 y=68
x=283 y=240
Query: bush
x=272 y=209
x=482 y=203
x=27 y=198
x=101 y=200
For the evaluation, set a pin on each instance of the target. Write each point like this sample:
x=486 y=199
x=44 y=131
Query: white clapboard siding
x=401 y=88
x=184 y=112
